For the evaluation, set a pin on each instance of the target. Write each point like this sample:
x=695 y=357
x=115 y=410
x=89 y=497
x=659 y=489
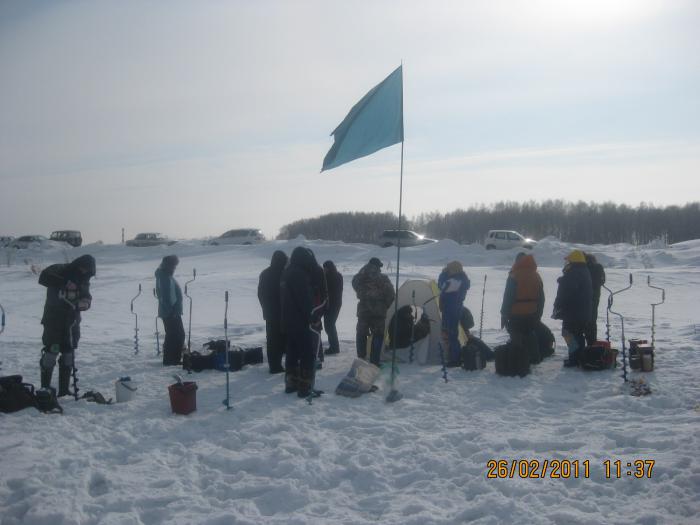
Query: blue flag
x=375 y=122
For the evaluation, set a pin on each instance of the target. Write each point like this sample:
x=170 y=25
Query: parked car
x=6 y=240
x=149 y=239
x=29 y=241
x=505 y=239
x=240 y=236
x=72 y=237
x=408 y=238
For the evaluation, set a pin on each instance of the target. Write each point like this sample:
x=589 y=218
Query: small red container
x=183 y=397
x=604 y=344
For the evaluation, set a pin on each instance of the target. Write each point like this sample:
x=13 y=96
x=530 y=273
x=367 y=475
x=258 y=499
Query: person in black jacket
x=67 y=295
x=271 y=302
x=334 y=281
x=597 y=281
x=297 y=308
x=574 y=303
x=319 y=295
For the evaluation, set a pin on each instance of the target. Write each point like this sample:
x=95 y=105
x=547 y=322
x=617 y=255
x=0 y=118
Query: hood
x=526 y=262
x=303 y=258
x=168 y=264
x=86 y=262
x=453 y=268
x=279 y=260
x=329 y=267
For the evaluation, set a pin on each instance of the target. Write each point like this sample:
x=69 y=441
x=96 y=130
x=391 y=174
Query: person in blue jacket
x=170 y=310
x=453 y=284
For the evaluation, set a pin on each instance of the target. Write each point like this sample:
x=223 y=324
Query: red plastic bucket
x=183 y=397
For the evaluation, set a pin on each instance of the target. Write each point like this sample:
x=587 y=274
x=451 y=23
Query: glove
x=557 y=313
x=71 y=291
x=84 y=304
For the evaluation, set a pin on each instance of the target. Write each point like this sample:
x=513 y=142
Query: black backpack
x=47 y=402
x=197 y=362
x=475 y=354
x=15 y=395
x=512 y=360
x=545 y=340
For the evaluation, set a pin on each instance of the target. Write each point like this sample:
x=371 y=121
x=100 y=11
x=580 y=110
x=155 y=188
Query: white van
x=505 y=239
x=240 y=236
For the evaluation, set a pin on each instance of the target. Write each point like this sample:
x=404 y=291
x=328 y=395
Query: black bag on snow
x=475 y=354
x=47 y=402
x=253 y=356
x=512 y=360
x=466 y=319
x=219 y=347
x=545 y=340
x=197 y=362
x=486 y=352
x=472 y=358
x=15 y=395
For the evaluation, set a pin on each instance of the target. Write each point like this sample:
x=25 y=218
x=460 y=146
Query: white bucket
x=125 y=389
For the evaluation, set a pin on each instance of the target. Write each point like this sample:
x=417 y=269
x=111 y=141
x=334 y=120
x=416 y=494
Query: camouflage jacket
x=374 y=292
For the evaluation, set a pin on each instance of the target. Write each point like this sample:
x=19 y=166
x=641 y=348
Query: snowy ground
x=276 y=459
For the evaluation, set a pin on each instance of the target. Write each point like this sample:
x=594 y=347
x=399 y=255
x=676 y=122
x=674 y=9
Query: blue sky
x=191 y=118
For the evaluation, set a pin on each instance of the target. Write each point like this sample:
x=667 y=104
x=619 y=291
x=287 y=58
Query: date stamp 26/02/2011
x=566 y=468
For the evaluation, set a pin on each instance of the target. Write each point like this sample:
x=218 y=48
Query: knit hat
x=576 y=256
x=376 y=262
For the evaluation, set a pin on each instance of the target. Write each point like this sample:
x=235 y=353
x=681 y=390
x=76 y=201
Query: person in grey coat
x=170 y=310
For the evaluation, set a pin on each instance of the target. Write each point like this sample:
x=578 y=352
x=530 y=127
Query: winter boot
x=291 y=380
x=63 y=380
x=49 y=354
x=46 y=374
x=306 y=378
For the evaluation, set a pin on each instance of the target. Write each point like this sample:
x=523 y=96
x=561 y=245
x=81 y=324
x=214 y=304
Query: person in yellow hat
x=574 y=303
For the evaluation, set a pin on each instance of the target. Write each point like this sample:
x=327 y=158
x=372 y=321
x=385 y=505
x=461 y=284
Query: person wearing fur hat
x=67 y=295
x=574 y=303
x=453 y=284
x=170 y=310
x=375 y=293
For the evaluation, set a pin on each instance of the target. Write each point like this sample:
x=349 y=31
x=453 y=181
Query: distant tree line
x=589 y=223
x=344 y=226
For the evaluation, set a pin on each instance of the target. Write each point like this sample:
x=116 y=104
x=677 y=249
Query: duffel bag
x=15 y=395
x=512 y=360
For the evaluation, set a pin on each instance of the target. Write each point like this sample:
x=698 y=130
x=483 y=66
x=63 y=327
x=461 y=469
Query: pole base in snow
x=394 y=395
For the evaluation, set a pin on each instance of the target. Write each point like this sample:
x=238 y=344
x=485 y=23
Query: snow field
x=274 y=458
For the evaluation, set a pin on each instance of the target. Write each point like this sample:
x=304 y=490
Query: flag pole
x=394 y=394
